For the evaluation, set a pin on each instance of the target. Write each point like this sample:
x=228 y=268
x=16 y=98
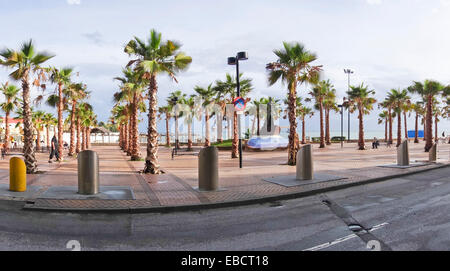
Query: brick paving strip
x=175 y=191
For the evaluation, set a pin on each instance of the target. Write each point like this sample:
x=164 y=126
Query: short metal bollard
x=208 y=169
x=305 y=168
x=88 y=173
x=403 y=154
x=17 y=175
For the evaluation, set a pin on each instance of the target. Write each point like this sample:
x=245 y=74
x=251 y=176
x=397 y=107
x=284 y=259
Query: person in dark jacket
x=54 y=150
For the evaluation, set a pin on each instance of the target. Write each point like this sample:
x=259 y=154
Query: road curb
x=197 y=207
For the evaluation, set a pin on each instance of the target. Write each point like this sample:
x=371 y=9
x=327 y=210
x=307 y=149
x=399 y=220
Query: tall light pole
x=348 y=72
x=235 y=61
x=341 y=106
x=177 y=142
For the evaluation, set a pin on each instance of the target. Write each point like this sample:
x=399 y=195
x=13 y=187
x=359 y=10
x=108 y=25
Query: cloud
x=96 y=37
x=74 y=2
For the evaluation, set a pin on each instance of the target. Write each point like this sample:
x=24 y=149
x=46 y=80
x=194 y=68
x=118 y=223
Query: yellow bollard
x=17 y=175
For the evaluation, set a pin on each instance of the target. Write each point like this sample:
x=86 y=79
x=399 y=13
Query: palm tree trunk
x=88 y=138
x=130 y=135
x=167 y=130
x=429 y=124
x=189 y=136
x=390 y=126
x=120 y=136
x=416 y=134
x=207 y=139
x=6 y=146
x=125 y=139
x=136 y=151
x=361 y=143
x=303 y=130
x=436 y=137
x=83 y=137
x=151 y=162
x=327 y=126
x=385 y=130
x=78 y=148
x=293 y=137
x=322 y=136
x=28 y=152
x=399 y=128
x=72 y=129
x=235 y=144
x=219 y=125
x=38 y=140
x=406 y=124
x=425 y=128
x=48 y=136
x=60 y=121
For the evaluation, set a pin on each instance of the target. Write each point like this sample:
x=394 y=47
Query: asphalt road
x=411 y=213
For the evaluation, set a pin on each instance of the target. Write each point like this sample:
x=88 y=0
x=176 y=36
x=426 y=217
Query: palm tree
x=153 y=58
x=119 y=116
x=428 y=90
x=75 y=93
x=360 y=99
x=132 y=91
x=329 y=104
x=189 y=118
x=319 y=93
x=26 y=61
x=207 y=95
x=399 y=98
x=226 y=91
x=389 y=105
x=165 y=110
x=173 y=99
x=61 y=77
x=293 y=66
x=49 y=120
x=302 y=112
x=406 y=107
x=38 y=124
x=11 y=102
x=419 y=110
x=383 y=117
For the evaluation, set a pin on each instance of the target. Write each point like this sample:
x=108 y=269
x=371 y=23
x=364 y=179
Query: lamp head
x=242 y=56
x=232 y=61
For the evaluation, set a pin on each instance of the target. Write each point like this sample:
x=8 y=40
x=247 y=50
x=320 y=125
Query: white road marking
x=343 y=239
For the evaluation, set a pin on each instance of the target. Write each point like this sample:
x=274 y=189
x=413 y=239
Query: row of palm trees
x=27 y=65
x=294 y=66
x=398 y=103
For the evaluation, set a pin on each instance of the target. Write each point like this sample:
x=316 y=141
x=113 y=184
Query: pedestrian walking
x=54 y=150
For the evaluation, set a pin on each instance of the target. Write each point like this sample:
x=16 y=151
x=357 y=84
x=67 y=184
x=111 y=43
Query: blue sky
x=388 y=43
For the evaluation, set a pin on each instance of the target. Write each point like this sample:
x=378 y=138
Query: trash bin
x=88 y=173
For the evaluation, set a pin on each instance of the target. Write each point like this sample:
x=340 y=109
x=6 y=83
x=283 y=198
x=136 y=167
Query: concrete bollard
x=432 y=155
x=305 y=169
x=88 y=173
x=403 y=154
x=17 y=175
x=208 y=169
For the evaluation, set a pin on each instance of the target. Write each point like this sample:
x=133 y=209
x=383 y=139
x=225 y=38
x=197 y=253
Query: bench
x=180 y=152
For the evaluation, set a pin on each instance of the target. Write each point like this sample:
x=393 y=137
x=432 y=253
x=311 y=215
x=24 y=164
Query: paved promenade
x=178 y=186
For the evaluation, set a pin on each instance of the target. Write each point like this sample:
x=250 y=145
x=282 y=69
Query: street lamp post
x=348 y=72
x=235 y=61
x=174 y=102
x=341 y=106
